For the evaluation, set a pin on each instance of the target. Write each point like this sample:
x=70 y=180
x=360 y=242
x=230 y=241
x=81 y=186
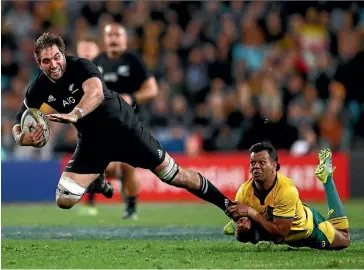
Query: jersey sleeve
x=239 y=194
x=88 y=70
x=242 y=193
x=286 y=203
x=33 y=96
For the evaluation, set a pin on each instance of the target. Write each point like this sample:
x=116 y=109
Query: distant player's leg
x=91 y=208
x=101 y=186
x=129 y=185
x=91 y=199
x=130 y=190
x=336 y=214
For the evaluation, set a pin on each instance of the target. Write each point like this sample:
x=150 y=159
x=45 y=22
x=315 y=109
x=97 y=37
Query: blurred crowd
x=229 y=73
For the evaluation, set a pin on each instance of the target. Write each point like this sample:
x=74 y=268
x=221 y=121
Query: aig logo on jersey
x=68 y=101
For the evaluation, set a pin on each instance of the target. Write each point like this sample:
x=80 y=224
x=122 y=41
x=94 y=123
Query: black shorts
x=126 y=141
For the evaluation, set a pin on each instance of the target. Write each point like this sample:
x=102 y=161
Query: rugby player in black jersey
x=107 y=128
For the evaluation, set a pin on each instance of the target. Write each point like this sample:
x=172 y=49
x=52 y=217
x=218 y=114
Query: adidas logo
x=160 y=153
x=51 y=98
x=226 y=202
x=69 y=165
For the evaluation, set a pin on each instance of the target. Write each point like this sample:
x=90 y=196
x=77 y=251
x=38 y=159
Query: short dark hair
x=266 y=146
x=47 y=40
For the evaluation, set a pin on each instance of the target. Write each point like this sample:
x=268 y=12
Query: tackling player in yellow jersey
x=271 y=200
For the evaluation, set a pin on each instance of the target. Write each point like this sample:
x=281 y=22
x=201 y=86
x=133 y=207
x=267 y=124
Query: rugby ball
x=35 y=117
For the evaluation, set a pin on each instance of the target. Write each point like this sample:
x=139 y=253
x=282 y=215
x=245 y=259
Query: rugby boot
x=101 y=186
x=324 y=169
x=130 y=215
x=230 y=228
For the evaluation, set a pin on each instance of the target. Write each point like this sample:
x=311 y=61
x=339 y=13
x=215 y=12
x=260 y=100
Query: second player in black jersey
x=107 y=126
x=125 y=73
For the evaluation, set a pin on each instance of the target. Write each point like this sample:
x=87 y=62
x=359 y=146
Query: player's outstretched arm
x=92 y=98
x=93 y=95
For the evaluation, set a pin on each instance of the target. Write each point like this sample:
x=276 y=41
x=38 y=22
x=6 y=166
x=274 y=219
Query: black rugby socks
x=210 y=193
x=131 y=204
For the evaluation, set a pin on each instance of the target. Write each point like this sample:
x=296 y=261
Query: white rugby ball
x=35 y=116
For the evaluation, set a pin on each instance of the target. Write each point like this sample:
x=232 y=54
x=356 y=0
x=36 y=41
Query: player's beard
x=56 y=75
x=59 y=74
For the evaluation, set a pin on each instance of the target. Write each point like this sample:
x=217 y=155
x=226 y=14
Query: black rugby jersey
x=124 y=74
x=66 y=93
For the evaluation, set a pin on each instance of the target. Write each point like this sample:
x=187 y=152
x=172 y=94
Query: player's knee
x=169 y=172
x=68 y=192
x=64 y=203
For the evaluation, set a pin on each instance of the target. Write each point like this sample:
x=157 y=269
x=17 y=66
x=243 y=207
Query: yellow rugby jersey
x=46 y=109
x=281 y=201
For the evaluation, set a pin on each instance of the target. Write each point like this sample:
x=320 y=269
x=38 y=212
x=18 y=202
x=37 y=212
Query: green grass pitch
x=165 y=236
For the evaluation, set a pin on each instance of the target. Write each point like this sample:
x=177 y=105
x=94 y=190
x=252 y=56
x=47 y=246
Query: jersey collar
x=261 y=195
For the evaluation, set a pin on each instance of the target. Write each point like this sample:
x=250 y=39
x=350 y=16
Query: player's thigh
x=324 y=233
x=327 y=237
x=88 y=159
x=130 y=175
x=83 y=180
x=140 y=149
x=341 y=238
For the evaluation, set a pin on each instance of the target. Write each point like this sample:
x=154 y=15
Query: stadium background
x=222 y=69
